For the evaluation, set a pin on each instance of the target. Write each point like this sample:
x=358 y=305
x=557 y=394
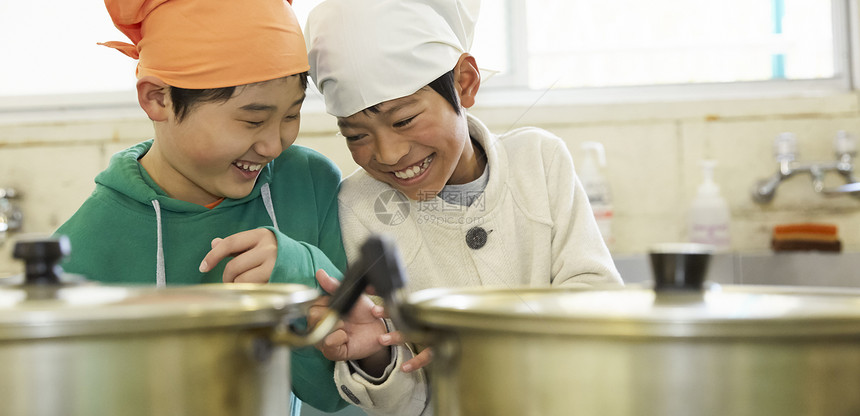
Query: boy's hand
x=356 y=337
x=254 y=252
x=396 y=338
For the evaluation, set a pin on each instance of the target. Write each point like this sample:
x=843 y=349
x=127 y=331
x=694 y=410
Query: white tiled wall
x=652 y=149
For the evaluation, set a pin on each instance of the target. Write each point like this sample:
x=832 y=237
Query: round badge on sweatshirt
x=476 y=237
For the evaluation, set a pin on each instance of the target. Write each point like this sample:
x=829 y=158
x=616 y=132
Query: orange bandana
x=201 y=44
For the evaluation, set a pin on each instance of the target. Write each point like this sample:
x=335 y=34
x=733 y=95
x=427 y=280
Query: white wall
x=653 y=150
x=653 y=153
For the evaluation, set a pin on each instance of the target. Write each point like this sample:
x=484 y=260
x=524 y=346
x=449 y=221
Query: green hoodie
x=130 y=232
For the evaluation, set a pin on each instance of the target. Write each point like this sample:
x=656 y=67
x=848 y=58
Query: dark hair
x=184 y=99
x=444 y=86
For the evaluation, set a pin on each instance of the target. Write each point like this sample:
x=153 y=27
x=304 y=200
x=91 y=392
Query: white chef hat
x=364 y=52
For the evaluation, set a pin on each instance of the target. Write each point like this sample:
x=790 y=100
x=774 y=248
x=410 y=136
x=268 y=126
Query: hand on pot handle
x=356 y=337
x=420 y=360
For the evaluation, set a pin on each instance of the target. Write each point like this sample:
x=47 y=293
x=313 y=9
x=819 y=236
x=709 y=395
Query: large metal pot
x=677 y=351
x=82 y=349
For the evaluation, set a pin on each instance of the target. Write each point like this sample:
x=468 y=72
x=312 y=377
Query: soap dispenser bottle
x=597 y=188
x=709 y=218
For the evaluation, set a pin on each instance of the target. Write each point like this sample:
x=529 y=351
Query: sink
x=767 y=268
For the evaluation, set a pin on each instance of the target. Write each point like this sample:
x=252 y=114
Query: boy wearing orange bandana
x=220 y=194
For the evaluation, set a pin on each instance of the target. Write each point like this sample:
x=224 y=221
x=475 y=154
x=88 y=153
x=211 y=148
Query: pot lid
x=45 y=302
x=41 y=311
x=640 y=311
x=678 y=304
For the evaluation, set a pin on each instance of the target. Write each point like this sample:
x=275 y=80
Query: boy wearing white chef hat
x=466 y=207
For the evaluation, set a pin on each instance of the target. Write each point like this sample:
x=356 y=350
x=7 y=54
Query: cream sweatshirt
x=531 y=227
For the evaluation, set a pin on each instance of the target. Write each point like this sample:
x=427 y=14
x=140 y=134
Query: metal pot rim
x=95 y=310
x=637 y=312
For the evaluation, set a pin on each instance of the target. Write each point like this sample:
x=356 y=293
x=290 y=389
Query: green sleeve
x=313 y=379
x=298 y=261
x=330 y=241
x=312 y=374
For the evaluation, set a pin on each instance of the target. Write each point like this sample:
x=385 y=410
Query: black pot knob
x=680 y=266
x=41 y=257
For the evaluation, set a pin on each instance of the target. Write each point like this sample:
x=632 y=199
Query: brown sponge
x=806 y=237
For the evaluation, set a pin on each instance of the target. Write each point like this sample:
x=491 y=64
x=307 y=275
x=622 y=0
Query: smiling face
x=218 y=148
x=415 y=144
x=418 y=143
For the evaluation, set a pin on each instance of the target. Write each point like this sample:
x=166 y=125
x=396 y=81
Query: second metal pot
x=731 y=350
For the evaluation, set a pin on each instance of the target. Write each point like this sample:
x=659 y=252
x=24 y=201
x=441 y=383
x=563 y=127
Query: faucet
x=785 y=152
x=11 y=216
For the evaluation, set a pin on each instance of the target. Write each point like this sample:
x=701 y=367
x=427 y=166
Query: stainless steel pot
x=78 y=348
x=677 y=351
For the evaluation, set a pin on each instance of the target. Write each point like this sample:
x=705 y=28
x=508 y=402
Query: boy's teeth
x=251 y=168
x=413 y=171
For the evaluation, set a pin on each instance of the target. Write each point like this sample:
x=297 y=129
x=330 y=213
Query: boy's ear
x=467 y=79
x=153 y=99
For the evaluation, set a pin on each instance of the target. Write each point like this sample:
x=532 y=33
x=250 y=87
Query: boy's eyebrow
x=406 y=102
x=257 y=107
x=298 y=100
x=343 y=124
x=267 y=107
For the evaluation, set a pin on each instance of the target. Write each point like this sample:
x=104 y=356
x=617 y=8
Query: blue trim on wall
x=778 y=60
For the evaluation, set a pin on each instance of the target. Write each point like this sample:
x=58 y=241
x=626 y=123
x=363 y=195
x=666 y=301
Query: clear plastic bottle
x=709 y=218
x=597 y=188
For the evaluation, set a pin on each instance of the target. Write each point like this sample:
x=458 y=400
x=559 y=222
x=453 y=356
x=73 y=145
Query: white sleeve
x=399 y=394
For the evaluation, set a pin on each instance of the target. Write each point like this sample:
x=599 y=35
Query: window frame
x=508 y=90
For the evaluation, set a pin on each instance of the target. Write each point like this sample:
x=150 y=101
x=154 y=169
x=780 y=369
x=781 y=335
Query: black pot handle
x=383 y=267
x=344 y=298
x=379 y=266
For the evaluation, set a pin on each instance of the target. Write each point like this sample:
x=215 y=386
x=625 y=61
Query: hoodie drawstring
x=160 y=275
x=267 y=201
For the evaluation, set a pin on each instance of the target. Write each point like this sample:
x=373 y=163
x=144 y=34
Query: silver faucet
x=785 y=151
x=11 y=217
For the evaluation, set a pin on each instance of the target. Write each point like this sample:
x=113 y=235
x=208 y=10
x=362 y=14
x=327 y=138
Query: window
x=49 y=47
x=583 y=43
